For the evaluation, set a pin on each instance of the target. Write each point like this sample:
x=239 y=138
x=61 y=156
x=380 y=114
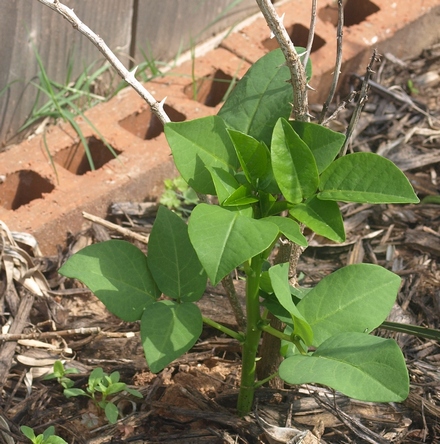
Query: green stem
x=223 y=329
x=253 y=335
x=274 y=332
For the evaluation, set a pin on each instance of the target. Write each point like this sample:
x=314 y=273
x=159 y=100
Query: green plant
x=47 y=437
x=67 y=101
x=59 y=373
x=178 y=196
x=270 y=176
x=99 y=388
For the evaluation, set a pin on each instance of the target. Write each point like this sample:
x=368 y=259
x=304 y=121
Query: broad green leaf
x=225 y=239
x=361 y=366
x=356 y=298
x=324 y=143
x=293 y=164
x=289 y=228
x=28 y=432
x=200 y=143
x=322 y=216
x=260 y=98
x=254 y=156
x=279 y=277
x=365 y=178
x=172 y=259
x=241 y=196
x=117 y=273
x=111 y=412
x=225 y=183
x=168 y=330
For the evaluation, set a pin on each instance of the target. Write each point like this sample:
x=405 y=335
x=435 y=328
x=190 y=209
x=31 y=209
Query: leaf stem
x=227 y=331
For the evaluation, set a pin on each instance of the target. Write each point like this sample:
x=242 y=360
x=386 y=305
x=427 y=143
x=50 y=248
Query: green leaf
x=365 y=178
x=260 y=98
x=289 y=228
x=72 y=392
x=198 y=144
x=115 y=388
x=96 y=377
x=279 y=277
x=50 y=431
x=111 y=413
x=172 y=259
x=55 y=440
x=361 y=366
x=322 y=216
x=324 y=143
x=293 y=164
x=168 y=330
x=134 y=392
x=225 y=183
x=356 y=298
x=225 y=239
x=269 y=205
x=240 y=197
x=254 y=156
x=28 y=432
x=117 y=273
x=434 y=199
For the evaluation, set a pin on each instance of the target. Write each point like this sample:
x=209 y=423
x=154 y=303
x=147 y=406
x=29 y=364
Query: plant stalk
x=252 y=340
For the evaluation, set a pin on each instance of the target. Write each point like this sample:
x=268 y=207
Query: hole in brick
x=74 y=158
x=299 y=35
x=209 y=90
x=22 y=187
x=146 y=125
x=355 y=12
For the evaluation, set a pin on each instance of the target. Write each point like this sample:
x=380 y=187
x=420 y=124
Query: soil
x=193 y=400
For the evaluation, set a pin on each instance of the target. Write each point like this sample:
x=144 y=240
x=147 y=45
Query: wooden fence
x=160 y=28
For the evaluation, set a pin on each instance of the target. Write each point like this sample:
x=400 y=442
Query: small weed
x=179 y=196
x=47 y=437
x=99 y=388
x=59 y=373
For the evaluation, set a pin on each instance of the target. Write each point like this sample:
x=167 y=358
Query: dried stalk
x=311 y=33
x=293 y=61
x=128 y=76
x=363 y=97
x=338 y=62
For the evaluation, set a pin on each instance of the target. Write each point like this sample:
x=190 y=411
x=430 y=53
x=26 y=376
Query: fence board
x=165 y=26
x=27 y=25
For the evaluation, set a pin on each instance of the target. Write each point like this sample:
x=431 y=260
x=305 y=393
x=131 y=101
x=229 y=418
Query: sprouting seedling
x=100 y=388
x=59 y=373
x=47 y=437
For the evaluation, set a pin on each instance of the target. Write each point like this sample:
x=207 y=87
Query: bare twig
x=338 y=62
x=293 y=61
x=49 y=334
x=311 y=33
x=124 y=231
x=128 y=76
x=363 y=97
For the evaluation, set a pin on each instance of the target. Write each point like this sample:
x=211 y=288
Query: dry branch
x=293 y=60
x=128 y=76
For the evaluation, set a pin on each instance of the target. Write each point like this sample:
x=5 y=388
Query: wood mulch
x=193 y=400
